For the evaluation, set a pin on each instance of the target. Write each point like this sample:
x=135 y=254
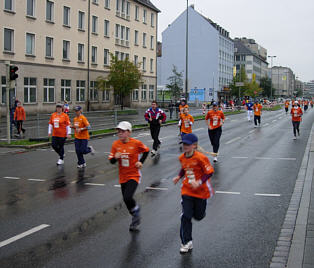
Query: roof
x=242 y=49
x=147 y=3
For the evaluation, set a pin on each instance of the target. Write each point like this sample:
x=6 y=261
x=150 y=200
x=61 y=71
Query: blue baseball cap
x=189 y=139
x=214 y=103
x=77 y=108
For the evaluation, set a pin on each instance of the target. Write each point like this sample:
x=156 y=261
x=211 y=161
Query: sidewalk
x=295 y=245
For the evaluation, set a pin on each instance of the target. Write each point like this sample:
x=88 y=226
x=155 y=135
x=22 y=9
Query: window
x=137 y=10
x=49 y=90
x=135 y=60
x=93 y=92
x=95 y=2
x=122 y=32
x=117 y=31
x=151 y=92
x=106 y=56
x=12 y=93
x=80 y=90
x=117 y=54
x=49 y=47
x=136 y=37
x=123 y=6
x=151 y=65
x=8 y=5
x=30 y=10
x=94 y=24
x=66 y=50
x=30 y=44
x=65 y=90
x=107 y=4
x=144 y=93
x=106 y=28
x=144 y=40
x=66 y=16
x=135 y=95
x=81 y=20
x=127 y=35
x=128 y=6
x=106 y=95
x=152 y=42
x=144 y=64
x=94 y=55
x=117 y=5
x=49 y=11
x=8 y=40
x=152 y=19
x=121 y=56
x=30 y=89
x=144 y=16
x=80 y=52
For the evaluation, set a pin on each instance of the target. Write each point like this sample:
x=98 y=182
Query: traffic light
x=13 y=74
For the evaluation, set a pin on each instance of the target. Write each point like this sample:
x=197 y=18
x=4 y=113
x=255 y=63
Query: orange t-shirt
x=185 y=120
x=296 y=114
x=181 y=107
x=215 y=118
x=59 y=124
x=19 y=114
x=287 y=103
x=257 y=109
x=195 y=167
x=81 y=122
x=130 y=152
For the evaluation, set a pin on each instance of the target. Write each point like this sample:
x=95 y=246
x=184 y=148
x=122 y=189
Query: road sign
x=239 y=84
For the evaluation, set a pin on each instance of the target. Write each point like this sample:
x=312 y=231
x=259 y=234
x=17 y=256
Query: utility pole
x=271 y=76
x=186 y=50
x=7 y=63
x=88 y=55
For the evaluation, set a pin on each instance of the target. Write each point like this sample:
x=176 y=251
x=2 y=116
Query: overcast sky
x=284 y=27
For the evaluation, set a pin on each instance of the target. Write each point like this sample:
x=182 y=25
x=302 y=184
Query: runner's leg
x=186 y=219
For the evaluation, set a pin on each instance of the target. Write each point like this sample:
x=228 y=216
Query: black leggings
x=257 y=118
x=296 y=125
x=19 y=126
x=128 y=189
x=154 y=132
x=57 y=144
x=214 y=136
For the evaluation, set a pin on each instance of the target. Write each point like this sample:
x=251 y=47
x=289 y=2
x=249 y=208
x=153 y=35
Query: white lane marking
x=251 y=131
x=94 y=184
x=275 y=195
x=41 y=149
x=157 y=188
x=240 y=157
x=235 y=139
x=17 y=237
x=265 y=125
x=198 y=129
x=12 y=178
x=71 y=151
x=107 y=152
x=263 y=158
x=234 y=120
x=117 y=185
x=274 y=120
x=288 y=159
x=167 y=137
x=224 y=192
x=35 y=180
x=143 y=134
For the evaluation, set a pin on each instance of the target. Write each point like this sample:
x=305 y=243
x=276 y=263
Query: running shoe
x=186 y=248
x=136 y=219
x=92 y=150
x=60 y=162
x=294 y=137
x=215 y=159
x=153 y=152
x=81 y=166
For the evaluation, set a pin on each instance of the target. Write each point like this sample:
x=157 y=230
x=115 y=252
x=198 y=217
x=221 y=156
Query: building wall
x=40 y=66
x=283 y=81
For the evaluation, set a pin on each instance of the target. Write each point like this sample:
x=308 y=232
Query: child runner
x=214 y=120
x=81 y=127
x=126 y=151
x=185 y=123
x=196 y=188
x=287 y=104
x=296 y=113
x=19 y=117
x=257 y=107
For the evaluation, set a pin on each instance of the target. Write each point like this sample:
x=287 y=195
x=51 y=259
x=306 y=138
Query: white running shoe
x=255 y=126
x=153 y=152
x=294 y=137
x=60 y=162
x=81 y=166
x=186 y=248
x=92 y=150
x=215 y=159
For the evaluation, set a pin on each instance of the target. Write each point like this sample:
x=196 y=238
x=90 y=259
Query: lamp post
x=271 y=76
x=186 y=50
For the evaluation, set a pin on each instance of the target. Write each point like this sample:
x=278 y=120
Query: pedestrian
x=196 y=171
x=66 y=107
x=311 y=102
x=81 y=127
x=296 y=113
x=59 y=128
x=19 y=117
x=249 y=108
x=185 y=123
x=257 y=107
x=155 y=117
x=126 y=151
x=171 y=107
x=287 y=104
x=214 y=120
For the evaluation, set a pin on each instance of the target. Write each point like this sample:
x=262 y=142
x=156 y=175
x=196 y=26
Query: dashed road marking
x=263 y=158
x=274 y=121
x=266 y=124
x=233 y=140
x=240 y=157
x=22 y=235
x=271 y=195
x=117 y=185
x=251 y=131
x=225 y=192
x=94 y=184
x=35 y=180
x=12 y=178
x=71 y=151
x=197 y=129
x=156 y=188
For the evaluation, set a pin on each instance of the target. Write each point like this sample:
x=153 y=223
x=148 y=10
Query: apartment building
x=61 y=47
x=283 y=80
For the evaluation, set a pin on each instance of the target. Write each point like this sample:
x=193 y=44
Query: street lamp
x=271 y=75
x=186 y=50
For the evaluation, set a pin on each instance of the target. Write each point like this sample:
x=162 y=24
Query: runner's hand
x=117 y=155
x=176 y=179
x=138 y=165
x=195 y=184
x=160 y=121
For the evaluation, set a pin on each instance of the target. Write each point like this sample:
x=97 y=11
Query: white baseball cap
x=125 y=125
x=296 y=102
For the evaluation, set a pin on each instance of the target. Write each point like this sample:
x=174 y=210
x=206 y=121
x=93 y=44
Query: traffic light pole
x=8 y=102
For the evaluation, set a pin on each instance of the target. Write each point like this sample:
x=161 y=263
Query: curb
x=289 y=250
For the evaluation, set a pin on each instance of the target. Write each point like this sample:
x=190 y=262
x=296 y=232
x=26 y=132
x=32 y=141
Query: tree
x=175 y=83
x=124 y=76
x=265 y=84
x=252 y=89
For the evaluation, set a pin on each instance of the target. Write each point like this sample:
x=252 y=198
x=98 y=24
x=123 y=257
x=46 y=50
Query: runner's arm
x=143 y=158
x=206 y=177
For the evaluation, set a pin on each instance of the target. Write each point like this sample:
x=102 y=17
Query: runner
x=126 y=151
x=155 y=117
x=185 y=123
x=296 y=113
x=19 y=117
x=249 y=108
x=59 y=129
x=306 y=105
x=196 y=188
x=81 y=127
x=214 y=120
x=287 y=104
x=311 y=102
x=182 y=106
x=257 y=107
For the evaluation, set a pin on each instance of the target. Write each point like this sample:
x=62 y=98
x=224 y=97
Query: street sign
x=239 y=84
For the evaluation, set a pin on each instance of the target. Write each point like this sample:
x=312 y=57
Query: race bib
x=186 y=124
x=295 y=113
x=125 y=161
x=76 y=124
x=215 y=121
x=56 y=123
x=256 y=110
x=190 y=175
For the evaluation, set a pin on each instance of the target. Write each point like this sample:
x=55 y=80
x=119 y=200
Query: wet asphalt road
x=88 y=223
